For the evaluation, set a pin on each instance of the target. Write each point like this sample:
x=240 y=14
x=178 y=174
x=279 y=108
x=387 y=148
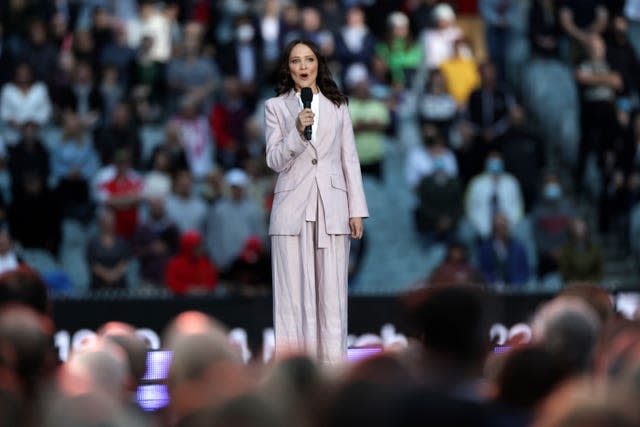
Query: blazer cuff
x=296 y=144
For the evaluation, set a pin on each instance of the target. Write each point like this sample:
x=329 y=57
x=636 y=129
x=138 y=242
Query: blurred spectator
x=422 y=16
x=190 y=271
x=190 y=74
x=195 y=137
x=24 y=286
x=120 y=55
x=568 y=328
x=551 y=218
x=154 y=25
x=622 y=58
x=84 y=49
x=28 y=156
x=290 y=24
x=455 y=269
x=493 y=191
x=23 y=100
x=500 y=17
x=107 y=254
x=580 y=258
x=173 y=145
x=228 y=119
x=121 y=132
x=35 y=214
x=355 y=43
x=544 y=29
x=313 y=28
x=436 y=105
x=185 y=208
x=371 y=118
x=502 y=259
x=74 y=163
x=524 y=155
x=157 y=181
x=155 y=241
x=9 y=259
x=487 y=112
x=39 y=52
x=111 y=91
x=270 y=30
x=438 y=41
x=598 y=119
x=632 y=13
x=235 y=231
x=7 y=58
x=242 y=59
x=581 y=20
x=102 y=26
x=82 y=96
x=120 y=188
x=399 y=52
x=432 y=154
x=461 y=72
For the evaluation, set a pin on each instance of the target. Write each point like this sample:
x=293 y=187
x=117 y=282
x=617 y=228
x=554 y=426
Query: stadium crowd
x=578 y=366
x=140 y=124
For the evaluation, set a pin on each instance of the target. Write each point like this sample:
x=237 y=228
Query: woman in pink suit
x=318 y=205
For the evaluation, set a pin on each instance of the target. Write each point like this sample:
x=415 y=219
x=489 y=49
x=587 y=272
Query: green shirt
x=400 y=58
x=369 y=143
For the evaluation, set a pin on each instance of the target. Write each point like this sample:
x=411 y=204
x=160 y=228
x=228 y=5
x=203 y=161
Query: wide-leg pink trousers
x=310 y=293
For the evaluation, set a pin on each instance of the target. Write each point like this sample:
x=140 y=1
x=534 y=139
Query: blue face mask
x=552 y=191
x=438 y=164
x=494 y=165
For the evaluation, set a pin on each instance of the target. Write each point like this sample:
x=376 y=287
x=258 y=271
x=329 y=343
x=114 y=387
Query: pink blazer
x=332 y=162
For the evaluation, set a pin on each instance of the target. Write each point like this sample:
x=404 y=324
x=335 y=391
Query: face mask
x=438 y=164
x=494 y=166
x=552 y=191
x=465 y=52
x=245 y=33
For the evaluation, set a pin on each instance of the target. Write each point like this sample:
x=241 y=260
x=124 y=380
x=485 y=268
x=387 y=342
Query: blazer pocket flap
x=284 y=185
x=338 y=182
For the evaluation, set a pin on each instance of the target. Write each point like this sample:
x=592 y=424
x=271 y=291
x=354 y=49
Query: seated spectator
x=157 y=181
x=455 y=270
x=111 y=91
x=421 y=160
x=399 y=53
x=460 y=73
x=190 y=271
x=195 y=137
x=119 y=54
x=493 y=191
x=23 y=100
x=436 y=105
x=81 y=96
x=29 y=156
x=501 y=19
x=190 y=74
x=524 y=155
x=184 y=208
x=598 y=117
x=235 y=231
x=438 y=41
x=120 y=132
x=371 y=118
x=35 y=214
x=312 y=27
x=580 y=258
x=544 y=29
x=355 y=43
x=121 y=188
x=74 y=163
x=501 y=258
x=439 y=204
x=173 y=145
x=551 y=219
x=487 y=113
x=155 y=241
x=228 y=121
x=39 y=52
x=107 y=254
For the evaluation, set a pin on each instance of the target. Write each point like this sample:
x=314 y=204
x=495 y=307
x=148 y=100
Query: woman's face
x=303 y=66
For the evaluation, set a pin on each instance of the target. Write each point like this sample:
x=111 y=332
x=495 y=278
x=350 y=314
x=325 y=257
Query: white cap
x=236 y=177
x=444 y=12
x=356 y=73
x=397 y=19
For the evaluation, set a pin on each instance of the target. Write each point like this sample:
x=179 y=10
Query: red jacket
x=189 y=269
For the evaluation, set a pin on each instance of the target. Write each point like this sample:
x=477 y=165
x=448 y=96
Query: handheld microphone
x=306 y=95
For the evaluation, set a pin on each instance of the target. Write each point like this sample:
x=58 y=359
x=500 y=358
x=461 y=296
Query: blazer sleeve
x=282 y=148
x=351 y=169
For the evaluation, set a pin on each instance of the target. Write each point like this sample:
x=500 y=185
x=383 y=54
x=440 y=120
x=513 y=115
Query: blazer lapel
x=293 y=104
x=327 y=119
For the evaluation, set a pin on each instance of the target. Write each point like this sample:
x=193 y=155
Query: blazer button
x=292 y=154
x=314 y=161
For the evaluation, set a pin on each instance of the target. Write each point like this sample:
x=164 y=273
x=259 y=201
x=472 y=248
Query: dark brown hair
x=325 y=82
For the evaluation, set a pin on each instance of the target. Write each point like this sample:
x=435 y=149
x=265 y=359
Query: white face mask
x=245 y=33
x=465 y=52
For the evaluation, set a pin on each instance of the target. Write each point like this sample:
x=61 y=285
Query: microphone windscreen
x=306 y=95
